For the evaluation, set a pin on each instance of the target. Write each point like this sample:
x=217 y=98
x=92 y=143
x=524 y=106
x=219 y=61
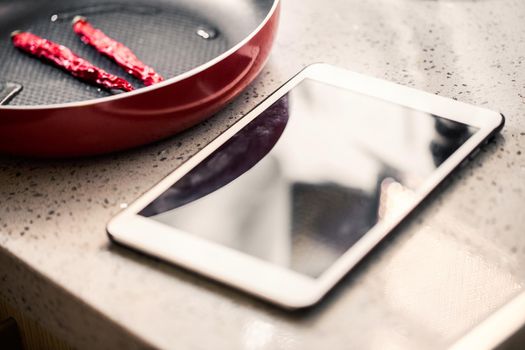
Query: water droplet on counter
x=206 y=32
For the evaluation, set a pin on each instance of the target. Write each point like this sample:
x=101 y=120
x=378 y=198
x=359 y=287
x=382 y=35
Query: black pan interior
x=167 y=35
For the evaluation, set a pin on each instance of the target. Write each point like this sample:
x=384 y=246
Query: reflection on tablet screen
x=306 y=179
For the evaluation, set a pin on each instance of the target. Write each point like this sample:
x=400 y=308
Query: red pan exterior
x=117 y=124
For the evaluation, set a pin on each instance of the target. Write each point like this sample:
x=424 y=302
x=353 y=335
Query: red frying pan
x=208 y=50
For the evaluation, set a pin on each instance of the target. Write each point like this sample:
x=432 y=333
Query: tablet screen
x=307 y=178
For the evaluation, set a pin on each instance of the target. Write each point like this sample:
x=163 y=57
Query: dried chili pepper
x=64 y=58
x=116 y=51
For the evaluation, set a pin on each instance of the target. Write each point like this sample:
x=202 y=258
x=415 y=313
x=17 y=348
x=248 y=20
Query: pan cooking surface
x=164 y=35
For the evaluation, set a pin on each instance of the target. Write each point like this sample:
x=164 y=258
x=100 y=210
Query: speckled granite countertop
x=460 y=258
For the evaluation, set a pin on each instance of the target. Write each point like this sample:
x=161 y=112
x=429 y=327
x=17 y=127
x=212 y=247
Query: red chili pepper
x=119 y=53
x=64 y=58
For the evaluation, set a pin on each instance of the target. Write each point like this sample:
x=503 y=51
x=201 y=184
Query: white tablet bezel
x=264 y=279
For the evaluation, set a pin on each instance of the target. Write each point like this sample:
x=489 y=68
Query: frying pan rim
x=170 y=81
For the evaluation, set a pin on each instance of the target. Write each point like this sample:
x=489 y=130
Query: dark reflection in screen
x=304 y=181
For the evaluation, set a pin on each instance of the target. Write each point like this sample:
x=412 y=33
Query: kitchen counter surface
x=460 y=258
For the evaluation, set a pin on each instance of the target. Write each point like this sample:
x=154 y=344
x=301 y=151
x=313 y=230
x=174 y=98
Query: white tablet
x=284 y=203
